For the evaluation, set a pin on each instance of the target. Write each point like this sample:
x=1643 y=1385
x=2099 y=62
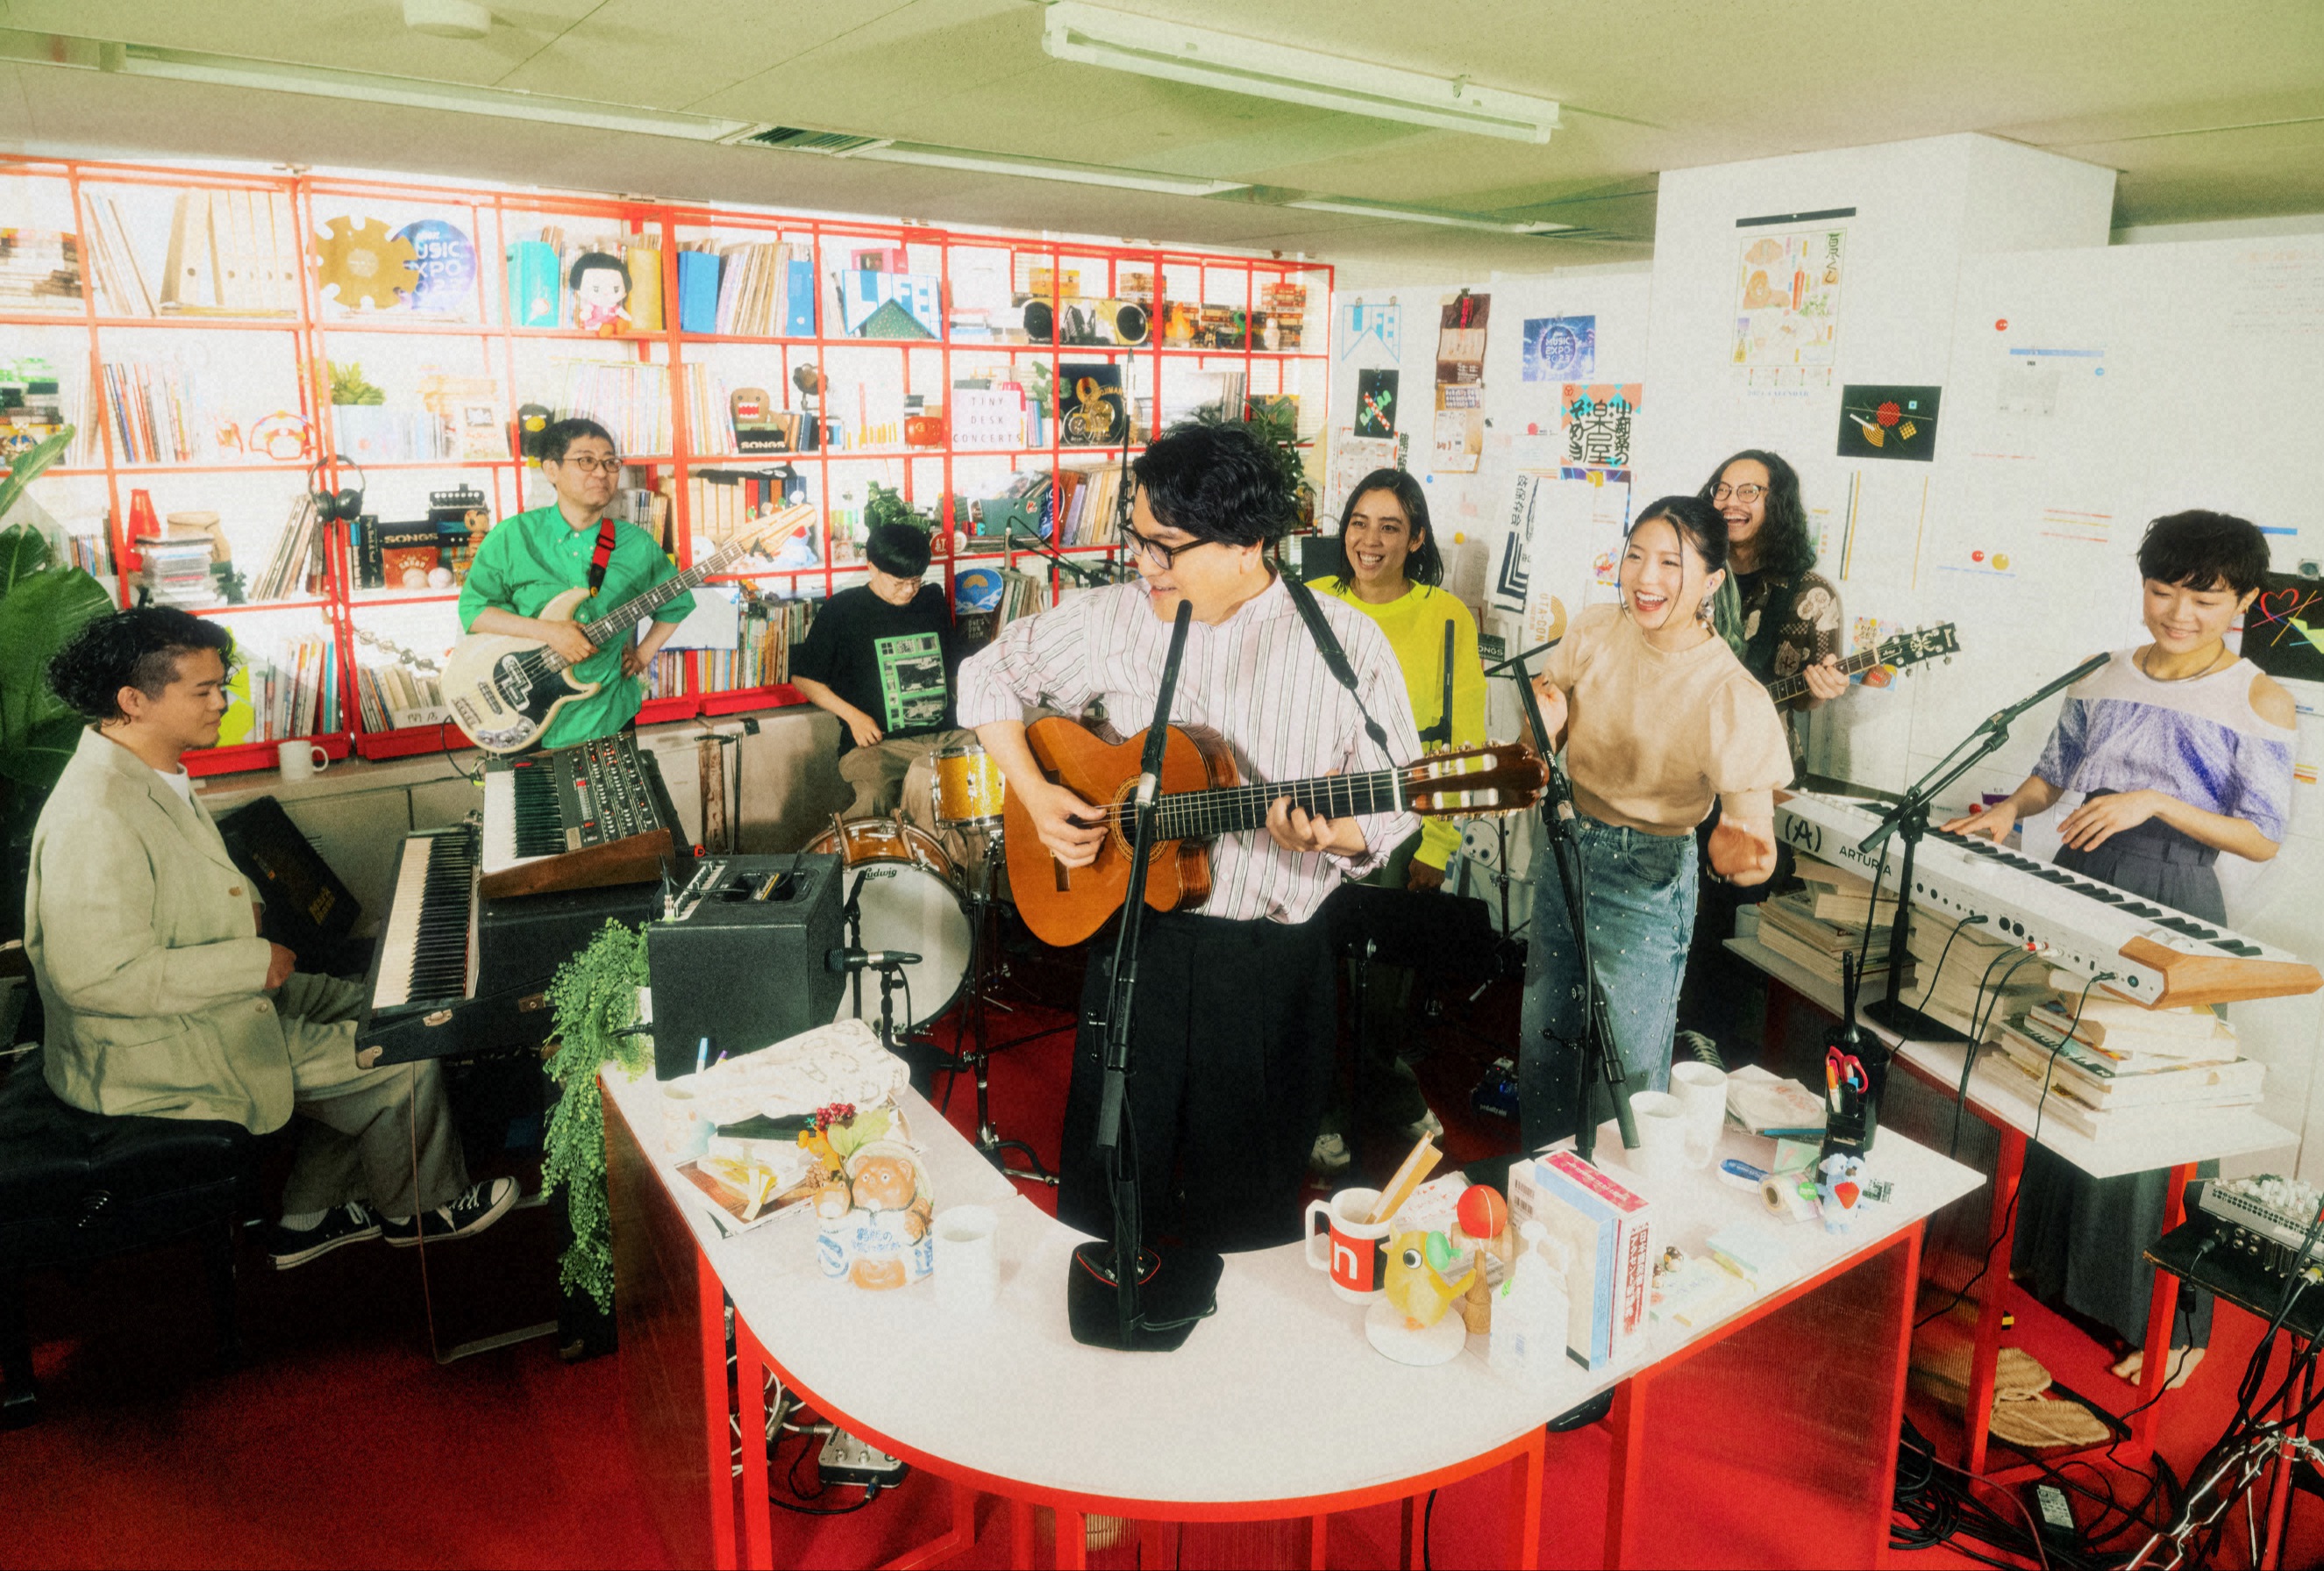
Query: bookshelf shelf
x=676 y=397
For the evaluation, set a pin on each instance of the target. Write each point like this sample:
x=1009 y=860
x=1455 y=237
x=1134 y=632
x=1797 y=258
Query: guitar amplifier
x=741 y=958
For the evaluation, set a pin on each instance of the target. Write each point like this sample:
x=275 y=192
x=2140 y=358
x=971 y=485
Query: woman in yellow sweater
x=1390 y=570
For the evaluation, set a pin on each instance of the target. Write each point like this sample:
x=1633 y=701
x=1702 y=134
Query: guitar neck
x=1784 y=689
x=630 y=611
x=1227 y=810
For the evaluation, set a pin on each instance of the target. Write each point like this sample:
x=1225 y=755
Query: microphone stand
x=1125 y=1264
x=1600 y=1059
x=1523 y=655
x=1441 y=734
x=1909 y=821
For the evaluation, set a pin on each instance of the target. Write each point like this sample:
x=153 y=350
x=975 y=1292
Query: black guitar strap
x=601 y=555
x=1336 y=658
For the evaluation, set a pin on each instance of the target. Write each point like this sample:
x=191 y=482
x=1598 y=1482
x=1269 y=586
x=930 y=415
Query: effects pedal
x=844 y=1459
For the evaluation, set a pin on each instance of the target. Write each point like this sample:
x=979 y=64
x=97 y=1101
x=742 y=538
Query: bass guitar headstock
x=1500 y=777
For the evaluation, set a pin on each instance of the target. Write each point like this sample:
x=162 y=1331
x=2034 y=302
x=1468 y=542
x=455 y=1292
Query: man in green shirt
x=532 y=558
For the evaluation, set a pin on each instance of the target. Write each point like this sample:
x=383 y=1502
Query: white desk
x=1278 y=1407
x=2204 y=1135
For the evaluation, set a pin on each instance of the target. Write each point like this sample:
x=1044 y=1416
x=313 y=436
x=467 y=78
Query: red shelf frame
x=502 y=212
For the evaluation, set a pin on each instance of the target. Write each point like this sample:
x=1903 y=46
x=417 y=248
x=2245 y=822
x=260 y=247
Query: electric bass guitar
x=1905 y=648
x=504 y=690
x=1202 y=799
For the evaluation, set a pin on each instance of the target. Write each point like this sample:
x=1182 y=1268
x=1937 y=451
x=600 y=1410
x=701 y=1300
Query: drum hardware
x=983 y=974
x=911 y=900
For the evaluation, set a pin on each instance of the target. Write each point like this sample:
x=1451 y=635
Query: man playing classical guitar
x=530 y=559
x=1236 y=1004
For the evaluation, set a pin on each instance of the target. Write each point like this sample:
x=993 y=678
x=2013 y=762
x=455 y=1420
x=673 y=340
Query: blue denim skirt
x=1641 y=892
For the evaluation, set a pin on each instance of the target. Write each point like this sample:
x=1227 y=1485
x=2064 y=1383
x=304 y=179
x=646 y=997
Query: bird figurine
x=1418 y=1284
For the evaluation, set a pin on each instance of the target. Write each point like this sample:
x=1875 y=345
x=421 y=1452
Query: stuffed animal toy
x=1416 y=1281
x=1839 y=1184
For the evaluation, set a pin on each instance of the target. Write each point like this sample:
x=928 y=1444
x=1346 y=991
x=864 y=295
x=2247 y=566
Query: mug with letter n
x=1356 y=1247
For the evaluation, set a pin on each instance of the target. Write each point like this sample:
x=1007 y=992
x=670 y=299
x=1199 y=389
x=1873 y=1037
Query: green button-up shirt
x=529 y=560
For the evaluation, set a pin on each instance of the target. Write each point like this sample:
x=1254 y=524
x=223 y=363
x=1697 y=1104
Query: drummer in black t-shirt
x=880 y=657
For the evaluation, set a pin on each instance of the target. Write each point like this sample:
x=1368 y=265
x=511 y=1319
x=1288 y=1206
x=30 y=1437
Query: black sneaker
x=479 y=1208
x=349 y=1224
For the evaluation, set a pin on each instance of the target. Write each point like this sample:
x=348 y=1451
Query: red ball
x=1482 y=1211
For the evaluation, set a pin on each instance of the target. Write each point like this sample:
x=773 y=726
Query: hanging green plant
x=596 y=998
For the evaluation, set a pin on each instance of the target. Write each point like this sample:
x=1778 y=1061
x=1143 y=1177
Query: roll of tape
x=1783 y=1197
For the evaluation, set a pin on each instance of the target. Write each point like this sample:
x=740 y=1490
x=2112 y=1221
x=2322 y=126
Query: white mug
x=967 y=1271
x=1703 y=1091
x=1668 y=1141
x=302 y=759
x=1355 y=1247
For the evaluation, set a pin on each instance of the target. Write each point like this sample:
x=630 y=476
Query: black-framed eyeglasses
x=588 y=464
x=1746 y=495
x=1154 y=550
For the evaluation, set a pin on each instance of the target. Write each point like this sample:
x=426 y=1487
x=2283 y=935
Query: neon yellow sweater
x=1414 y=628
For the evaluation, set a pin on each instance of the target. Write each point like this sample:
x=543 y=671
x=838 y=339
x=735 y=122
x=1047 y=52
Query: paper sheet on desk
x=1760 y=1101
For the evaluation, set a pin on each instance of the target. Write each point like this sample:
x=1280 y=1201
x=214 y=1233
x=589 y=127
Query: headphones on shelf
x=337 y=506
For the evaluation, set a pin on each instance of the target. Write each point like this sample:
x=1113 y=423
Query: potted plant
x=42 y=605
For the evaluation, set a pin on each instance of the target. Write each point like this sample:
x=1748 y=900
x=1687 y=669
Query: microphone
x=844 y=960
x=2000 y=719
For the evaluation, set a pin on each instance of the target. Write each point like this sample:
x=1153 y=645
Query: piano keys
x=577 y=818
x=2151 y=953
x=426 y=955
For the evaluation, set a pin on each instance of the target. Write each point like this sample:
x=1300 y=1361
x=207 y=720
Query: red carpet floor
x=341 y=1442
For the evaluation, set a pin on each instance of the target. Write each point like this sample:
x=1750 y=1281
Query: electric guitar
x=1902 y=650
x=504 y=690
x=1202 y=799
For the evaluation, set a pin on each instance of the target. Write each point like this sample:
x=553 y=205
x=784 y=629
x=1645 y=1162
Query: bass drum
x=911 y=900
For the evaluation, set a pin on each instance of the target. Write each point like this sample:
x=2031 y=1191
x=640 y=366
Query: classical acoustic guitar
x=1203 y=798
x=504 y=690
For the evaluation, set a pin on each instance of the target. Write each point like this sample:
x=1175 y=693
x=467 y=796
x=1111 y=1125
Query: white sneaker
x=1427 y=1126
x=1330 y=1156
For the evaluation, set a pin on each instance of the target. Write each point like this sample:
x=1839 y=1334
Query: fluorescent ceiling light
x=1093 y=35
x=1038 y=168
x=1416 y=216
x=137 y=60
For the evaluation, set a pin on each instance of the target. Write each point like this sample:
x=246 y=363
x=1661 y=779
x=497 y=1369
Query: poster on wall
x=1375 y=403
x=2283 y=631
x=1787 y=297
x=1459 y=438
x=1371 y=332
x=1461 y=339
x=1888 y=422
x=1353 y=457
x=1599 y=418
x=1559 y=348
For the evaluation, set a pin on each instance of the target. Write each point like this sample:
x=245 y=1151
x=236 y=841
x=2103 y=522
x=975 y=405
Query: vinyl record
x=1130 y=322
x=1040 y=322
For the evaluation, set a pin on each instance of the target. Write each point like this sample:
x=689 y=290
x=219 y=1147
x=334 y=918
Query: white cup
x=1668 y=1141
x=302 y=759
x=967 y=1271
x=1701 y=1090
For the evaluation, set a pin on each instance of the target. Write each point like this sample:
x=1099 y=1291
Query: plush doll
x=1417 y=1283
x=1839 y=1184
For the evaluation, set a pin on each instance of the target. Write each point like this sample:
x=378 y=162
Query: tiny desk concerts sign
x=1888 y=422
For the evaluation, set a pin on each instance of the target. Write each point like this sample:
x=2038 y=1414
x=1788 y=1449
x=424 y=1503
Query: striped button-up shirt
x=1256 y=679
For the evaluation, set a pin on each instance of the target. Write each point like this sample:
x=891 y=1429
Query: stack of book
x=396 y=694
x=40 y=270
x=629 y=398
x=153 y=411
x=1812 y=930
x=295 y=695
x=1959 y=979
x=177 y=572
x=762 y=290
x=120 y=282
x=2104 y=1066
x=297 y=561
x=1085 y=506
x=1608 y=1234
x=232 y=252
x=771 y=629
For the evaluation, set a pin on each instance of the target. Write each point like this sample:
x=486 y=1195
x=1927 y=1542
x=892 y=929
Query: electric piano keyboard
x=2150 y=953
x=426 y=955
x=578 y=817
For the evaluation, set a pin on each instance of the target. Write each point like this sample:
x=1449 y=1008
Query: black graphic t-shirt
x=893 y=662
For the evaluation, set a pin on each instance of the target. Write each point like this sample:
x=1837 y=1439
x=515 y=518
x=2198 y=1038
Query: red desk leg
x=1523 y=1504
x=1993 y=1293
x=2161 y=1310
x=1020 y=1535
x=1626 y=1468
x=961 y=1537
x=1073 y=1540
x=750 y=1406
x=1892 y=1420
x=1404 y=1557
x=1318 y=1532
x=718 y=1437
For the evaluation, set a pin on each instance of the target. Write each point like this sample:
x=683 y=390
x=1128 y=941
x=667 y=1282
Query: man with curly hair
x=162 y=999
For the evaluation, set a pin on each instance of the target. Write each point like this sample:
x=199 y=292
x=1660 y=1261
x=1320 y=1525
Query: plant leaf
x=40 y=612
x=29 y=463
x=24 y=552
x=37 y=761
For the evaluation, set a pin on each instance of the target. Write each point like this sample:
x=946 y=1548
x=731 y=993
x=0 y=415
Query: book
x=534 y=288
x=1591 y=1232
x=2100 y=1082
x=1634 y=1246
x=2058 y=1104
x=697 y=290
x=645 y=304
x=1759 y=1101
x=2120 y=1028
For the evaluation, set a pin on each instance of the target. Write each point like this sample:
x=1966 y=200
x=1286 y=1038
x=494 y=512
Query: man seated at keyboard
x=2182 y=750
x=162 y=999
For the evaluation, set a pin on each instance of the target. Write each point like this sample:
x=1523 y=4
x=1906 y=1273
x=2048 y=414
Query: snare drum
x=911 y=900
x=969 y=788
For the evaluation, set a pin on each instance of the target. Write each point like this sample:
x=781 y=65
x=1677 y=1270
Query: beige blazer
x=141 y=936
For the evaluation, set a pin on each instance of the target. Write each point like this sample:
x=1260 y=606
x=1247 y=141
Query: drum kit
x=908 y=892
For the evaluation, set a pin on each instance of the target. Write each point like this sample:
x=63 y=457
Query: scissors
x=1843 y=1069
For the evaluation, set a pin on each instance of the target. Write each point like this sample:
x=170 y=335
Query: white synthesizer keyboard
x=2157 y=955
